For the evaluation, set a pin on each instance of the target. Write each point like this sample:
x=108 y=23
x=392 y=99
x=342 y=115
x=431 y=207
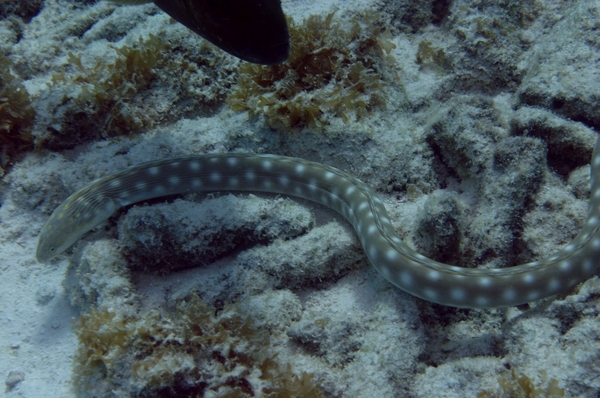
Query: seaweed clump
x=433 y=58
x=521 y=386
x=133 y=88
x=16 y=116
x=108 y=96
x=330 y=70
x=190 y=352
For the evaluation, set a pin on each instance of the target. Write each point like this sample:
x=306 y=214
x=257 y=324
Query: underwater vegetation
x=521 y=386
x=190 y=352
x=433 y=58
x=330 y=71
x=134 y=88
x=16 y=116
x=102 y=105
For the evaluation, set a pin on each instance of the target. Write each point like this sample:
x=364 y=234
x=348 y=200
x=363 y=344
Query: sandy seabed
x=480 y=151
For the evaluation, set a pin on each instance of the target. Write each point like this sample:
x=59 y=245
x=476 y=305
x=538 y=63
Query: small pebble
x=14 y=378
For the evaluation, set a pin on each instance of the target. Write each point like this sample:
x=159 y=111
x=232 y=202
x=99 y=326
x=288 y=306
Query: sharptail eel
x=359 y=204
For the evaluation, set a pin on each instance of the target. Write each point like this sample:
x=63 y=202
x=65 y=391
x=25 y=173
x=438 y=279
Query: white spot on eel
x=359 y=204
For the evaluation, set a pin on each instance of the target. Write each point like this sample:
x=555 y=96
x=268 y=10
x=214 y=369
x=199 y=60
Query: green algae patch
x=129 y=88
x=192 y=351
x=16 y=116
x=515 y=385
x=102 y=100
x=331 y=71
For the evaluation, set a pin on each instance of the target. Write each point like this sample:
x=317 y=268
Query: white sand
x=436 y=138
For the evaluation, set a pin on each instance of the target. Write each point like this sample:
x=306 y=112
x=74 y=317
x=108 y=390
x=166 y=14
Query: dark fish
x=253 y=30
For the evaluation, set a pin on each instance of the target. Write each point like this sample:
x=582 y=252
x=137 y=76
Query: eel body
x=359 y=204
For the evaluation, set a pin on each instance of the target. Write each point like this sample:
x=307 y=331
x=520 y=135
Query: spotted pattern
x=359 y=204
